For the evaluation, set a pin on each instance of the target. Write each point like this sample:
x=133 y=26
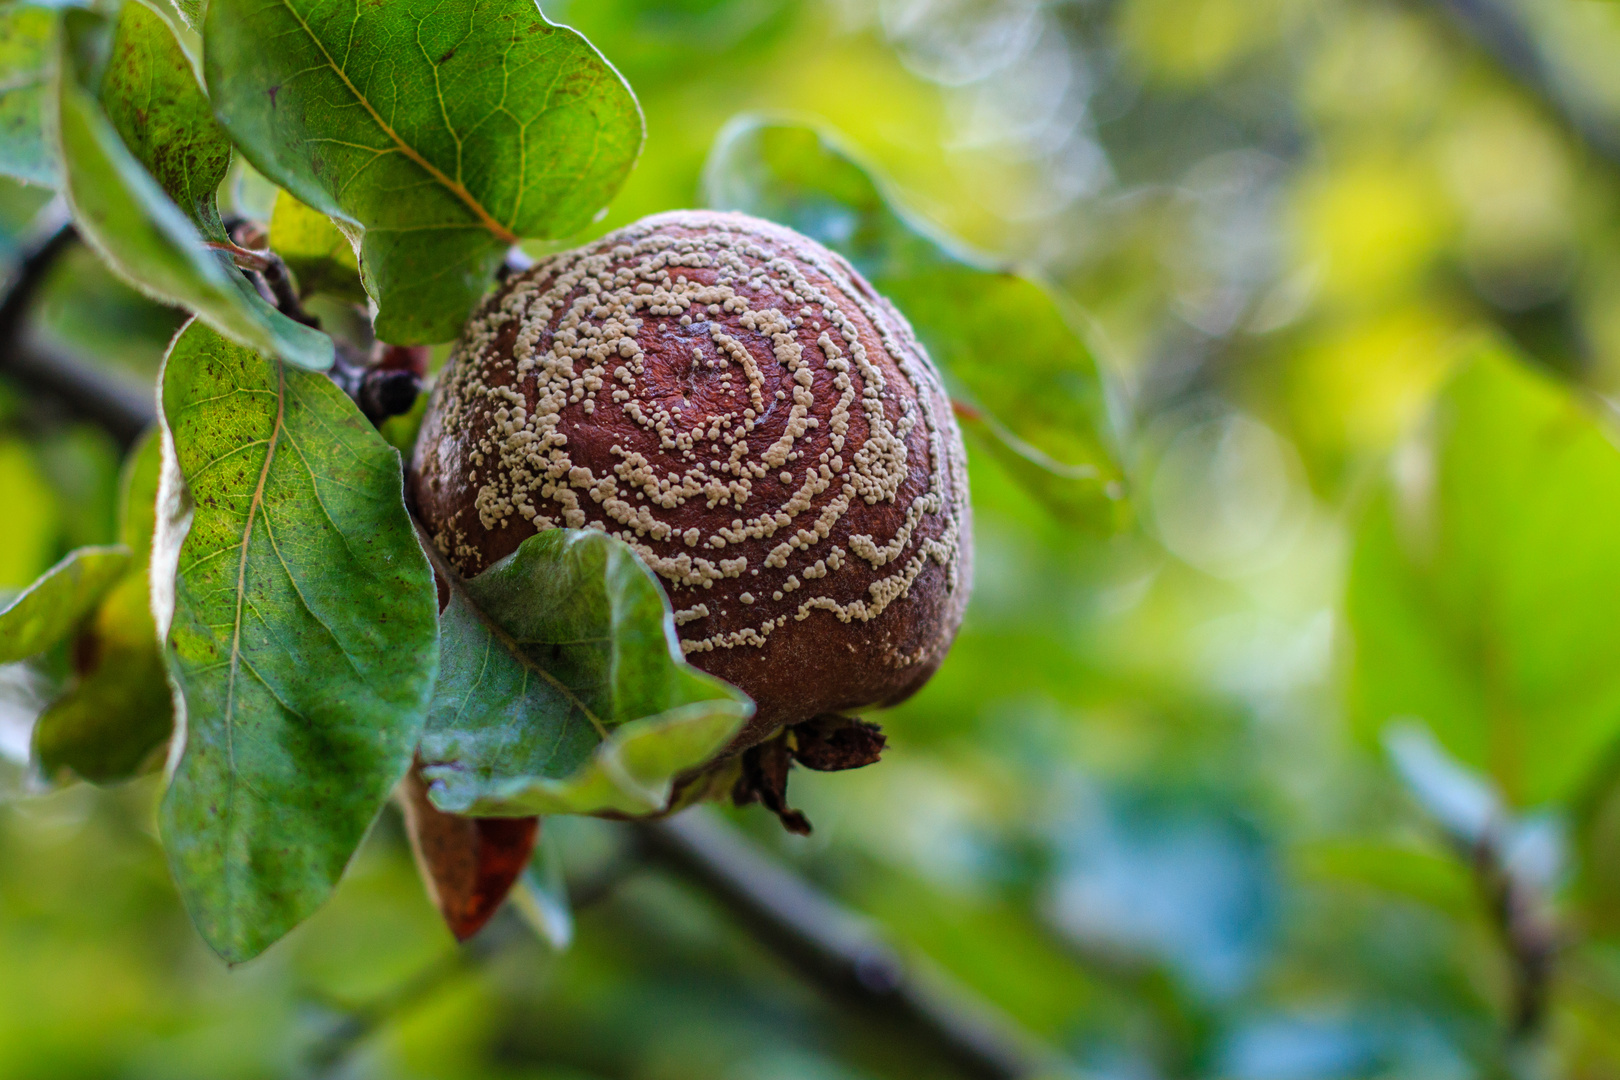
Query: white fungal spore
x=717 y=393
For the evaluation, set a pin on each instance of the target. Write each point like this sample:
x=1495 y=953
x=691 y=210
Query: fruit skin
x=806 y=508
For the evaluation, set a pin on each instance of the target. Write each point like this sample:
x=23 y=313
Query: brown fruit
x=737 y=403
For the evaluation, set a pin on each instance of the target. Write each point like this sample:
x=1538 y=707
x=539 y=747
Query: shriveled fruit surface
x=736 y=402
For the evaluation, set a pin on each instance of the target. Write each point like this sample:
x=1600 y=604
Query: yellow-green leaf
x=320 y=256
x=446 y=129
x=303 y=642
x=54 y=606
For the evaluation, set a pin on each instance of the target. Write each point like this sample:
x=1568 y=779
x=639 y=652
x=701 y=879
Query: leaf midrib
x=254 y=506
x=455 y=187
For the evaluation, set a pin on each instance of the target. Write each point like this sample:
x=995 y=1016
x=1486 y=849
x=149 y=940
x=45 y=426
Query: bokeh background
x=1131 y=811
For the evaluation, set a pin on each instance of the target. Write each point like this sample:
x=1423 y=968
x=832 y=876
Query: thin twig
x=843 y=953
x=84 y=390
x=275 y=275
x=1530 y=935
x=244 y=257
x=380 y=392
x=54 y=236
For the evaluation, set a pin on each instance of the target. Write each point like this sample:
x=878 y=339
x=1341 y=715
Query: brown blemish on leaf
x=468 y=865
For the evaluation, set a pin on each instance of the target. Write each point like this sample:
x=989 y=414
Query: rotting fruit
x=737 y=403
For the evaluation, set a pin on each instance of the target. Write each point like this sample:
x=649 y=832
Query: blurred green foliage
x=1144 y=807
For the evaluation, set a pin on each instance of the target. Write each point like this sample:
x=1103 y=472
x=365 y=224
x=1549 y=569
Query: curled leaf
x=113 y=718
x=562 y=688
x=53 y=607
x=116 y=713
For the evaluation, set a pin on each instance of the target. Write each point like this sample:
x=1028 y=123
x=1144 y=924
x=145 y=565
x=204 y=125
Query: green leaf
x=320 y=257
x=562 y=689
x=33 y=518
x=138 y=230
x=445 y=129
x=302 y=644
x=1484 y=583
x=1069 y=491
x=110 y=722
x=187 y=12
x=1006 y=341
x=137 y=497
x=54 y=606
x=25 y=56
x=152 y=97
x=112 y=719
x=541 y=894
x=1435 y=878
x=184 y=18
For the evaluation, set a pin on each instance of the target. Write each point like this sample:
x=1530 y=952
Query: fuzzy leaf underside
x=568 y=637
x=1001 y=337
x=1481 y=599
x=65 y=595
x=25 y=57
x=303 y=642
x=445 y=129
x=143 y=236
x=152 y=97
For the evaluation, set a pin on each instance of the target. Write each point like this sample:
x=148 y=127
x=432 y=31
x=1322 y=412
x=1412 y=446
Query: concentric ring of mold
x=737 y=403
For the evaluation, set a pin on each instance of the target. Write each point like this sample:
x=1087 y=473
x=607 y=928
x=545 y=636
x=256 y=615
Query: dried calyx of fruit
x=737 y=403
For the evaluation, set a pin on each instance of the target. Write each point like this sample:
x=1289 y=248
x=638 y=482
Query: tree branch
x=837 y=950
x=843 y=953
x=82 y=389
